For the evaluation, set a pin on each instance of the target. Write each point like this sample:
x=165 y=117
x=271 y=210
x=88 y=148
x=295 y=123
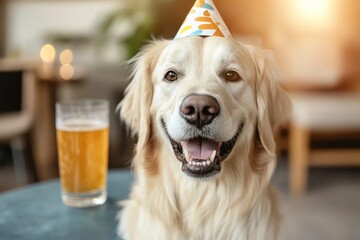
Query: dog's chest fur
x=176 y=207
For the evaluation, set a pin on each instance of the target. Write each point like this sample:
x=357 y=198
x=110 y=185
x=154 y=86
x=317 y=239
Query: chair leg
x=24 y=165
x=299 y=159
x=30 y=161
x=17 y=151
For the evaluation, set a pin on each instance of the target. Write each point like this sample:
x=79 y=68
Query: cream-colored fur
x=237 y=203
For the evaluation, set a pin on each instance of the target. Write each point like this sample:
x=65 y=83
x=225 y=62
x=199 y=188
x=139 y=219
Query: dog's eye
x=171 y=76
x=232 y=76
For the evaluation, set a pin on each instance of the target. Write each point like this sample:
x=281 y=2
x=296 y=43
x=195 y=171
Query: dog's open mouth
x=202 y=157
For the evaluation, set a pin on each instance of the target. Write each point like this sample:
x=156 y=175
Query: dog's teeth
x=212 y=157
x=198 y=163
x=186 y=154
x=208 y=162
x=204 y=163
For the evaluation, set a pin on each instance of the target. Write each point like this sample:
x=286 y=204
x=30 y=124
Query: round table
x=36 y=212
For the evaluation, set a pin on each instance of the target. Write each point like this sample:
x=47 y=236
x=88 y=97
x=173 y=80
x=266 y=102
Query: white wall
x=29 y=21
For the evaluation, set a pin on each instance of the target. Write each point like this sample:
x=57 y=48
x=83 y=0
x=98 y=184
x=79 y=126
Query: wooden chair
x=333 y=115
x=17 y=110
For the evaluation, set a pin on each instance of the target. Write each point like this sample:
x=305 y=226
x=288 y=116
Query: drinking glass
x=82 y=130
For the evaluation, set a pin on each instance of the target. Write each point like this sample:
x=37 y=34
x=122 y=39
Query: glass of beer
x=82 y=129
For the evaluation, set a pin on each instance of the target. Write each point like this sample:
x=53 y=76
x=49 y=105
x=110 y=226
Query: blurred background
x=53 y=50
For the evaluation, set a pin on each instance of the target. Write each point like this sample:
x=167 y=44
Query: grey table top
x=36 y=212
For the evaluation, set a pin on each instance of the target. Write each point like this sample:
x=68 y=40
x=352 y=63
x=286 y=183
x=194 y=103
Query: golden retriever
x=205 y=111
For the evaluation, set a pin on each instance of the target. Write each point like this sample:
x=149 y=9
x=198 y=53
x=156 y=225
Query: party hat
x=203 y=20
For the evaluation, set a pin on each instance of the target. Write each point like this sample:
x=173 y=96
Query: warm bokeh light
x=66 y=71
x=66 y=56
x=312 y=8
x=314 y=12
x=47 y=53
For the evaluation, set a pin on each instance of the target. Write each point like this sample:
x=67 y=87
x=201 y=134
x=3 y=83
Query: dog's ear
x=135 y=107
x=272 y=103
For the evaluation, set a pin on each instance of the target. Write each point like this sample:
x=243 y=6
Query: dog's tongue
x=200 y=148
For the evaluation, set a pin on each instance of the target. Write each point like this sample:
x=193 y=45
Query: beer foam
x=81 y=125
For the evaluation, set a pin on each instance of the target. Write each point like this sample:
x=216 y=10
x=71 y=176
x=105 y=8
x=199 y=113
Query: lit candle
x=66 y=71
x=47 y=55
x=66 y=57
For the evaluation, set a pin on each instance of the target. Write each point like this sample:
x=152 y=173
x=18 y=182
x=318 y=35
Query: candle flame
x=66 y=56
x=47 y=53
x=66 y=71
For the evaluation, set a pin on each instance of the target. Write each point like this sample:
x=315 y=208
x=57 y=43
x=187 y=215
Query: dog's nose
x=199 y=110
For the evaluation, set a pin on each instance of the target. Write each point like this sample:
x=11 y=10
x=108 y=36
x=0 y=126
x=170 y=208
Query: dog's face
x=205 y=97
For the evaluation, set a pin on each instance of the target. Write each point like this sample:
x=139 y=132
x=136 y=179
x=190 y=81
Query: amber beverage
x=83 y=139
